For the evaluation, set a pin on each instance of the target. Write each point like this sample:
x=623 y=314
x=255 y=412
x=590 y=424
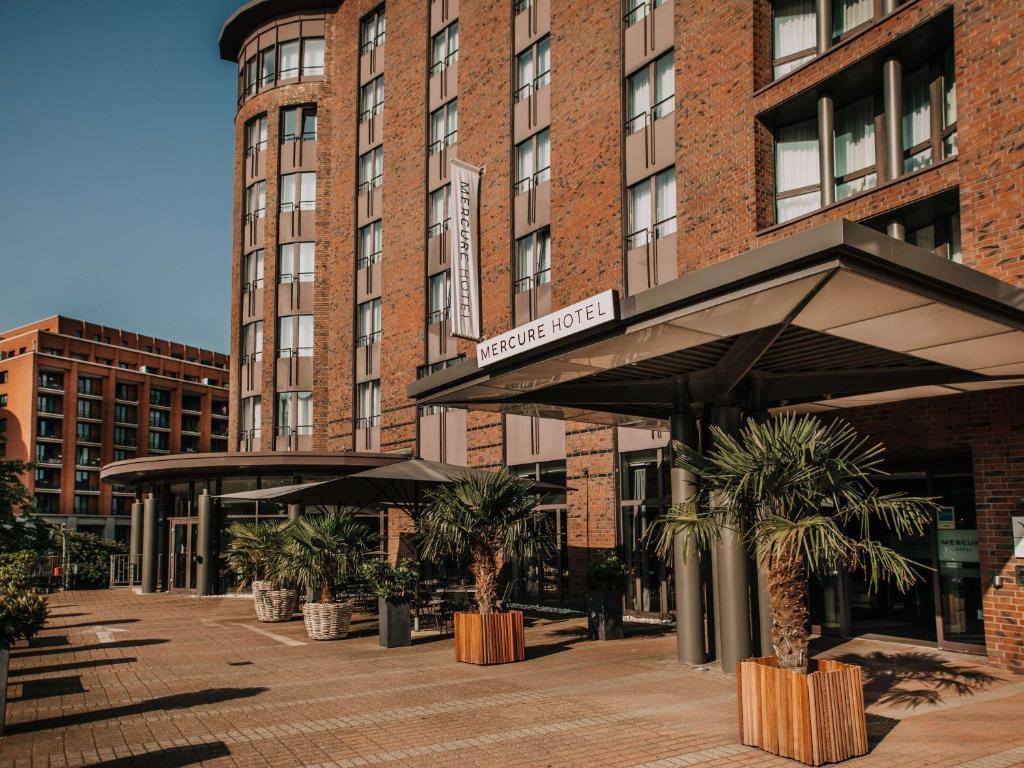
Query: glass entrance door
x=181 y=561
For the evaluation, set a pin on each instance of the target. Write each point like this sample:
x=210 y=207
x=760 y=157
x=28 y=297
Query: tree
x=324 y=551
x=19 y=532
x=800 y=493
x=483 y=518
x=253 y=550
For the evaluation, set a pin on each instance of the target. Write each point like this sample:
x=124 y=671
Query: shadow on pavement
x=52 y=686
x=70 y=666
x=21 y=654
x=913 y=678
x=159 y=704
x=99 y=623
x=173 y=757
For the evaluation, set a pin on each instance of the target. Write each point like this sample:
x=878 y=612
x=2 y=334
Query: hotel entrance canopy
x=836 y=317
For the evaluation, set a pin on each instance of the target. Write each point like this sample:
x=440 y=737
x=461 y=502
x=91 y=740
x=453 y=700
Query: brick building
x=639 y=148
x=75 y=396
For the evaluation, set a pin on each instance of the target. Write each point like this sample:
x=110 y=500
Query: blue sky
x=116 y=128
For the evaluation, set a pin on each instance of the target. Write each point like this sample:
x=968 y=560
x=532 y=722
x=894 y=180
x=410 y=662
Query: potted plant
x=325 y=551
x=481 y=519
x=607 y=578
x=22 y=612
x=252 y=553
x=393 y=585
x=799 y=491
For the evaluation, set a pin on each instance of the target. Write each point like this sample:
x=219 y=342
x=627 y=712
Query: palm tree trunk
x=485 y=572
x=787 y=593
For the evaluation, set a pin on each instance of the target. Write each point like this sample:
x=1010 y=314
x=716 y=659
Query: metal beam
x=802 y=384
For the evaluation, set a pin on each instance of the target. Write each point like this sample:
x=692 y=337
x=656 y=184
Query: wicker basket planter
x=275 y=604
x=814 y=718
x=493 y=638
x=327 y=621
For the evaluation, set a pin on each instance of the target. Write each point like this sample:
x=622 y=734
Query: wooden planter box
x=814 y=718
x=494 y=638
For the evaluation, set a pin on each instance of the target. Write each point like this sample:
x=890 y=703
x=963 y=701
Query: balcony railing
x=529 y=282
x=641 y=237
x=443 y=64
x=532 y=181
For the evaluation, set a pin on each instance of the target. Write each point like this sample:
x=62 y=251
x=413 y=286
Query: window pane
x=309 y=124
x=793 y=30
x=523 y=266
x=304 y=416
x=639 y=99
x=848 y=14
x=269 y=59
x=524 y=162
x=854 y=144
x=438 y=200
x=308 y=197
x=288 y=192
x=666 y=203
x=543 y=161
x=307 y=256
x=285 y=335
x=543 y=62
x=796 y=156
x=289 y=59
x=664 y=86
x=639 y=213
x=955 y=249
x=791 y=207
x=284 y=410
x=542 y=257
x=290 y=125
x=313 y=56
x=305 y=335
x=917 y=115
x=524 y=74
x=923 y=237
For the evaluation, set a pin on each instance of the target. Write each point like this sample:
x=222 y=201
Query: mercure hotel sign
x=564 y=322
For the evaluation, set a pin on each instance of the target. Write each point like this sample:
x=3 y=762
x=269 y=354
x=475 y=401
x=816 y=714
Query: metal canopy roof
x=838 y=316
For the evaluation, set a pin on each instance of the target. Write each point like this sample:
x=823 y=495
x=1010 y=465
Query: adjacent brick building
x=623 y=147
x=76 y=395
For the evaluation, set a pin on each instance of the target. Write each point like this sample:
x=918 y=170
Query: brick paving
x=120 y=679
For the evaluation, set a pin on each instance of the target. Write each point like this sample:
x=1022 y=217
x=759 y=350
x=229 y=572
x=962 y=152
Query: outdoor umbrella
x=403 y=484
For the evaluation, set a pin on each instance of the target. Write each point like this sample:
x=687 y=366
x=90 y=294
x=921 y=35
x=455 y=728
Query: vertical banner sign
x=463 y=207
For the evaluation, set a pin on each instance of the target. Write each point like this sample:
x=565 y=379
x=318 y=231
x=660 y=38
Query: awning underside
x=834 y=336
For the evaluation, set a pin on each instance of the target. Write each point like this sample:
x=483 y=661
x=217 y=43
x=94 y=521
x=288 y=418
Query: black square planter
x=394 y=623
x=604 y=615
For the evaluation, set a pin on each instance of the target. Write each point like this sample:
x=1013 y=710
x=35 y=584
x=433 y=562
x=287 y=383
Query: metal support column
x=685 y=562
x=823 y=15
x=150 y=537
x=826 y=149
x=896 y=229
x=206 y=561
x=294 y=511
x=892 y=101
x=135 y=540
x=731 y=574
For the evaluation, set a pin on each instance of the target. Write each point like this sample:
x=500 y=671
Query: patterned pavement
x=120 y=679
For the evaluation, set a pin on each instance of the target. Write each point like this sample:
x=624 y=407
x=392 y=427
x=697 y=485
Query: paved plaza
x=120 y=679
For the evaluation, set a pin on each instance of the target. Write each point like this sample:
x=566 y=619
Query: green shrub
x=608 y=574
x=90 y=554
x=17 y=569
x=22 y=614
x=391 y=582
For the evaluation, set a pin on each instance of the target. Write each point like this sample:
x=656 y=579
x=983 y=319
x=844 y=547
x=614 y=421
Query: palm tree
x=253 y=550
x=324 y=551
x=480 y=518
x=800 y=493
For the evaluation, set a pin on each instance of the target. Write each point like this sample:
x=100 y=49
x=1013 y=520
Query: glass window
x=289 y=69
x=949 y=144
x=917 y=118
x=665 y=196
x=532 y=265
x=640 y=472
x=256 y=200
x=256 y=135
x=252 y=76
x=847 y=15
x=638 y=99
x=794 y=35
x=159 y=441
x=252 y=271
x=533 y=161
x=444 y=48
x=639 y=9
x=437 y=211
x=367 y=404
x=371 y=98
x=371 y=31
x=305 y=326
x=286 y=336
x=797 y=176
x=444 y=126
x=313 y=56
x=252 y=342
x=855 y=148
x=297 y=262
x=304 y=413
x=251 y=410
x=307 y=191
x=284 y=412
x=370 y=245
x=533 y=68
x=371 y=168
x=438 y=296
x=652 y=209
x=298 y=122
x=368 y=323
x=268 y=60
x=639 y=214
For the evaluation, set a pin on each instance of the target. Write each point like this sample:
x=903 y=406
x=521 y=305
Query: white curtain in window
x=365 y=168
x=313 y=56
x=307 y=261
x=438 y=45
x=304 y=417
x=664 y=85
x=438 y=200
x=288 y=192
x=438 y=292
x=955 y=249
x=308 y=192
x=543 y=162
x=543 y=61
x=453 y=40
x=917 y=111
x=524 y=162
x=290 y=59
x=453 y=119
x=639 y=98
x=793 y=30
x=855 y=137
x=285 y=333
x=524 y=73
x=664 y=216
x=796 y=156
x=542 y=257
x=523 y=264
x=848 y=14
x=284 y=410
x=639 y=212
x=305 y=335
x=436 y=129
